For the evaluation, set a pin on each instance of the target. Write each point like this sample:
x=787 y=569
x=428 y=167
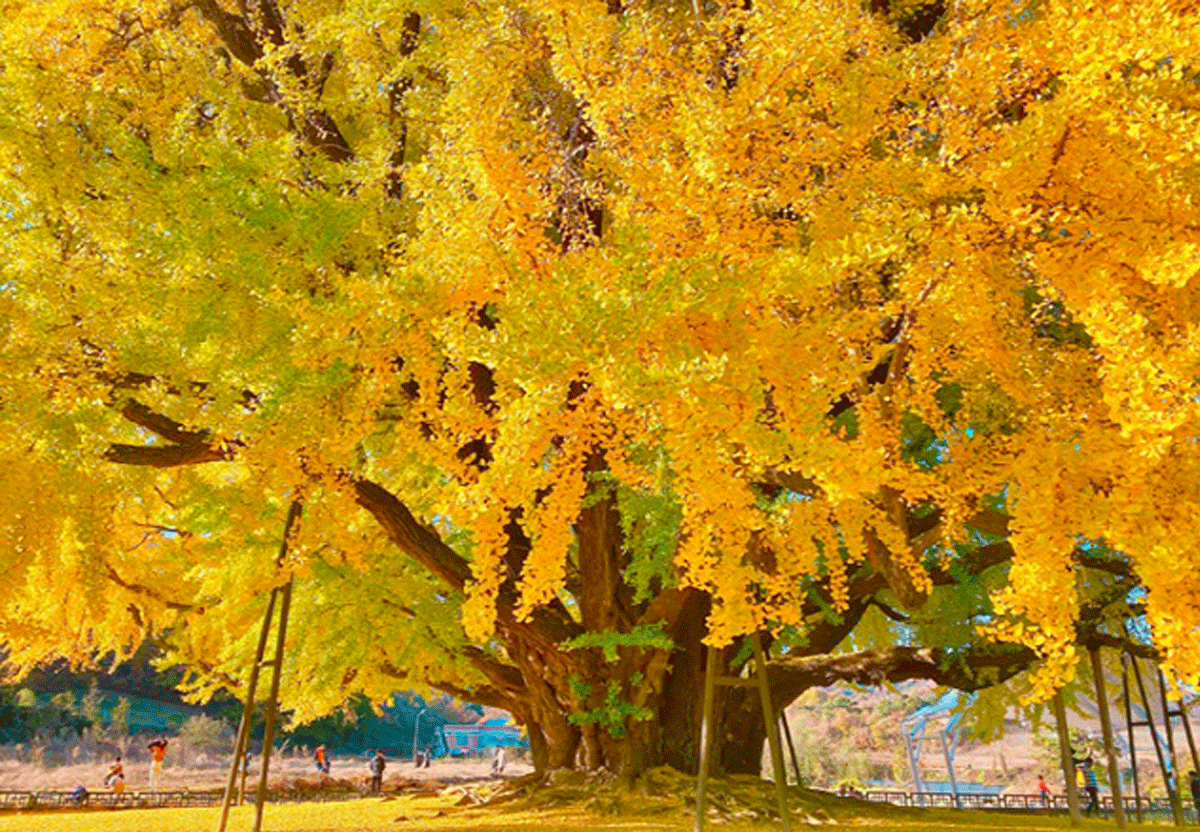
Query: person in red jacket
x=1043 y=790
x=158 y=753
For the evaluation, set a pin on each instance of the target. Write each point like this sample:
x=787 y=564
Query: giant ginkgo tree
x=582 y=333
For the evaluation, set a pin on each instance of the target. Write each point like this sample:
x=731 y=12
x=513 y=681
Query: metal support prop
x=918 y=784
x=1137 y=789
x=950 y=769
x=1064 y=754
x=1114 y=771
x=711 y=680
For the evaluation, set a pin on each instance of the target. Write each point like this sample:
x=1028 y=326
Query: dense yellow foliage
x=673 y=236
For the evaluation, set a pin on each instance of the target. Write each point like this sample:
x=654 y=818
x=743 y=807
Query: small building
x=471 y=739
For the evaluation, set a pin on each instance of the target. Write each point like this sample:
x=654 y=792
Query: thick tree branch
x=165 y=456
x=973 y=668
x=315 y=126
x=505 y=678
x=413 y=538
x=168 y=429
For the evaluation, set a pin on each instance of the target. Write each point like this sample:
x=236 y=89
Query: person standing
x=1043 y=790
x=158 y=753
x=321 y=760
x=378 y=764
x=1092 y=785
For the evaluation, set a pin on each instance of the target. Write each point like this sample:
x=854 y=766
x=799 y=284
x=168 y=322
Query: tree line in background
x=64 y=717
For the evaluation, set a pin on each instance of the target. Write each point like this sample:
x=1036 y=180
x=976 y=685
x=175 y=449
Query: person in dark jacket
x=378 y=764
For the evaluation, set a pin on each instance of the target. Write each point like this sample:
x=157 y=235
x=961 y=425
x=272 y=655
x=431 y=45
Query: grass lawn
x=437 y=815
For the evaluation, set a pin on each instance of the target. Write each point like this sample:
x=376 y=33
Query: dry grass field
x=661 y=801
x=407 y=814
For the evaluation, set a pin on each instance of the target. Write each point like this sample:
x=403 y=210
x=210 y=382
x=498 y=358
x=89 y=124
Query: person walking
x=378 y=764
x=115 y=779
x=321 y=760
x=1043 y=790
x=158 y=753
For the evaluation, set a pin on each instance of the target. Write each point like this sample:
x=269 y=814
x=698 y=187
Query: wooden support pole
x=1114 y=771
x=1191 y=740
x=1064 y=753
x=1137 y=788
x=711 y=656
x=787 y=736
x=243 y=735
x=1176 y=797
x=1158 y=751
x=272 y=704
x=764 y=691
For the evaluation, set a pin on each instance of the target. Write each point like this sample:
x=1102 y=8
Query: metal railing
x=46 y=799
x=1010 y=801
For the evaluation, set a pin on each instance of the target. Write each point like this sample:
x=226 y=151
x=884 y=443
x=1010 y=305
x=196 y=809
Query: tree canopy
x=560 y=318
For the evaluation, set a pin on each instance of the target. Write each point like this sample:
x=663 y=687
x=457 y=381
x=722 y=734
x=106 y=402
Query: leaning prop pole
x=243 y=737
x=1176 y=795
x=272 y=705
x=710 y=685
x=1168 y=779
x=284 y=596
x=759 y=680
x=1129 y=726
x=772 y=726
x=1114 y=771
x=1064 y=754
